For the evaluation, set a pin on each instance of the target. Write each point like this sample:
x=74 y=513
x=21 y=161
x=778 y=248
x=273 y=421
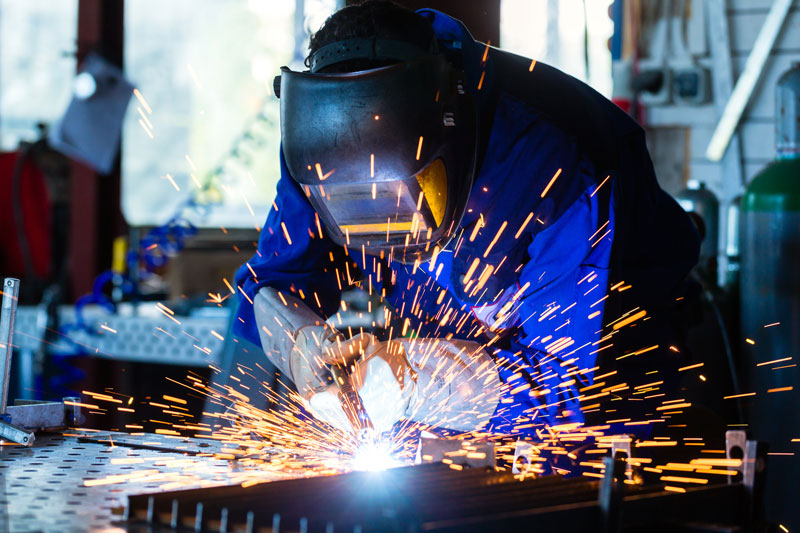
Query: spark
x=780 y=389
x=227 y=284
x=743 y=395
x=286 y=233
x=550 y=183
x=320 y=175
x=144 y=118
x=142 y=101
x=247 y=203
x=598 y=187
x=774 y=361
x=172 y=181
x=146 y=129
x=496 y=238
x=630 y=319
x=193 y=74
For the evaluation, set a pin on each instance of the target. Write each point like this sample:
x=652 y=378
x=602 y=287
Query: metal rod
x=7 y=315
x=351 y=401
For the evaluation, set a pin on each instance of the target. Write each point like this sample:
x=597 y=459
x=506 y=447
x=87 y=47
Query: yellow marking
x=433 y=182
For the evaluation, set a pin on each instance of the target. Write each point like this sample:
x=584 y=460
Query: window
x=205 y=109
x=552 y=31
x=37 y=65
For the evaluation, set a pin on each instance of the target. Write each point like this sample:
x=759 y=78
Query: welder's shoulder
x=595 y=122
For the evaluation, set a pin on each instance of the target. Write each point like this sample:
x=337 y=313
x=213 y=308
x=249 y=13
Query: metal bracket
x=524 y=453
x=622 y=447
x=752 y=467
x=735 y=446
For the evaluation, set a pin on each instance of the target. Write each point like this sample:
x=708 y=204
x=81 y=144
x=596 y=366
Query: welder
x=507 y=214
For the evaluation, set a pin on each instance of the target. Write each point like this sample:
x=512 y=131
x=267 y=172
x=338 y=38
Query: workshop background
x=139 y=158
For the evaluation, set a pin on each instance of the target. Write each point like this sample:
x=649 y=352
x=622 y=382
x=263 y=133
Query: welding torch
x=351 y=402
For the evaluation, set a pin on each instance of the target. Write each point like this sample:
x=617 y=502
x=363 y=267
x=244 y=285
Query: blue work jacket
x=566 y=230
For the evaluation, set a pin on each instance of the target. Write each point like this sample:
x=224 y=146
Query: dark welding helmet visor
x=386 y=156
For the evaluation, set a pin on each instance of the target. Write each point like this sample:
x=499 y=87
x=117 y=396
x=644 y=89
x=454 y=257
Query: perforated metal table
x=62 y=483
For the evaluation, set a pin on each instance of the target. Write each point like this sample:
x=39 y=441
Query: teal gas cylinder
x=770 y=294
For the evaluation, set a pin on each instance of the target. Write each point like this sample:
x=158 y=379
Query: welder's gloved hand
x=315 y=350
x=457 y=385
x=452 y=384
x=384 y=381
x=300 y=343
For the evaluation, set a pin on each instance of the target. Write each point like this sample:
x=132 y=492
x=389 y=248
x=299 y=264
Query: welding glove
x=451 y=384
x=381 y=378
x=299 y=343
x=457 y=385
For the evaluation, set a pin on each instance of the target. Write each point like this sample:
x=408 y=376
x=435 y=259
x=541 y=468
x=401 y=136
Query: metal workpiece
x=108 y=481
x=9 y=432
x=13 y=434
x=436 y=497
x=7 y=314
x=44 y=415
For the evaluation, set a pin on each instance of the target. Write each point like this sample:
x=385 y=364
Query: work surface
x=93 y=481
x=79 y=483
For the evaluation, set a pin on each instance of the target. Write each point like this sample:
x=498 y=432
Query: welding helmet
x=387 y=155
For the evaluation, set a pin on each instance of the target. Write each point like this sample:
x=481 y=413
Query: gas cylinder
x=770 y=305
x=698 y=199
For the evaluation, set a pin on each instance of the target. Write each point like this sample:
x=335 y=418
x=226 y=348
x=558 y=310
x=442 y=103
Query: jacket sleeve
x=294 y=254
x=563 y=288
